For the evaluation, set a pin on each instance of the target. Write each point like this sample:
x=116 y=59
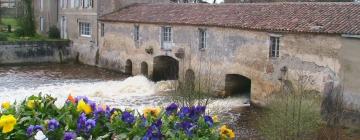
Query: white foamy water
x=102 y=91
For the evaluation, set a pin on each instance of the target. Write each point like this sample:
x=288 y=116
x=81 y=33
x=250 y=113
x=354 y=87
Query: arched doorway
x=144 y=69
x=190 y=79
x=237 y=85
x=128 y=67
x=165 y=68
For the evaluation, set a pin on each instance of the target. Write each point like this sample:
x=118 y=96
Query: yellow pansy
x=5 y=105
x=226 y=132
x=7 y=123
x=215 y=118
x=31 y=104
x=83 y=107
x=155 y=111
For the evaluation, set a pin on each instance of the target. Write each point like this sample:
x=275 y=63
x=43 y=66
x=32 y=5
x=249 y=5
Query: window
x=42 y=24
x=274 y=47
x=166 y=34
x=202 y=39
x=72 y=3
x=102 y=29
x=77 y=3
x=87 y=3
x=136 y=33
x=65 y=3
x=85 y=29
x=41 y=5
x=61 y=3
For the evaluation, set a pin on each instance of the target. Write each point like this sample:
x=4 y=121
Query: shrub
x=3 y=37
x=54 y=32
x=294 y=113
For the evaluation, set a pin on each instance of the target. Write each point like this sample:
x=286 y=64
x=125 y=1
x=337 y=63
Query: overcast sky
x=211 y=1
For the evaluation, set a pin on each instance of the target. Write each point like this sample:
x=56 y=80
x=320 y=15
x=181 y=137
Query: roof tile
x=332 y=18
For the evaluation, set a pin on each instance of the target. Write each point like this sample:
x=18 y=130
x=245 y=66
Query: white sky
x=211 y=1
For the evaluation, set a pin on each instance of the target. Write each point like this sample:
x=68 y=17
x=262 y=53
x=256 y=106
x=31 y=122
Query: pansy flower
x=172 y=108
x=128 y=117
x=7 y=123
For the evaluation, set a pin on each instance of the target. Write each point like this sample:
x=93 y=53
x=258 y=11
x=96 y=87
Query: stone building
x=263 y=1
x=246 y=48
x=46 y=15
x=78 y=23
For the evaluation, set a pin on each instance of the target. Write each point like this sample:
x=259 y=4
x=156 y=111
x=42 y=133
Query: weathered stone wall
x=34 y=52
x=350 y=60
x=49 y=12
x=84 y=47
x=229 y=51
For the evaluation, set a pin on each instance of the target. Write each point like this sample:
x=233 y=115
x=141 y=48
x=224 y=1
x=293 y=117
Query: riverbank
x=34 y=52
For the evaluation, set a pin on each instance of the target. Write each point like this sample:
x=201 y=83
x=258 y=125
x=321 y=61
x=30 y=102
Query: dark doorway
x=237 y=85
x=165 y=68
x=190 y=79
x=128 y=67
x=144 y=69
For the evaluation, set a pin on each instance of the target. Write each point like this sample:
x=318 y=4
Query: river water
x=105 y=87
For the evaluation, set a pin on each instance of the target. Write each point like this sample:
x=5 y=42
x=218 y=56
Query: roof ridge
x=259 y=3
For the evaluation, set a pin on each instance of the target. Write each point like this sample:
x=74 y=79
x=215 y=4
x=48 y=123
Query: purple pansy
x=209 y=121
x=78 y=98
x=69 y=136
x=90 y=124
x=128 y=117
x=53 y=124
x=31 y=130
x=171 y=108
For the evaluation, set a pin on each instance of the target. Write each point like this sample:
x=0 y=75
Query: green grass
x=12 y=36
x=9 y=21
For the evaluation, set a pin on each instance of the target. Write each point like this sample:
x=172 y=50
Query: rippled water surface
x=106 y=87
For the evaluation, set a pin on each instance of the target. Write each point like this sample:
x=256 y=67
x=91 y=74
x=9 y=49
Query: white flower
x=40 y=136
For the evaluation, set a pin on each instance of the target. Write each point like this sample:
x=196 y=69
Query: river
x=106 y=87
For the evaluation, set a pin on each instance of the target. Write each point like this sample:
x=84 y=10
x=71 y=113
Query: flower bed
x=80 y=118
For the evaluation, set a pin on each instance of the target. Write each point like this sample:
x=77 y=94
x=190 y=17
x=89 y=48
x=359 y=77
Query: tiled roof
x=332 y=18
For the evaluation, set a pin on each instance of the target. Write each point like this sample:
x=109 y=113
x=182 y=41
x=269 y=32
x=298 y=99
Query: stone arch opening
x=144 y=69
x=237 y=85
x=165 y=68
x=190 y=79
x=128 y=67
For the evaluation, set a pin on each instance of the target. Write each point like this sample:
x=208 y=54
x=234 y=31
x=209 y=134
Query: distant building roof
x=331 y=18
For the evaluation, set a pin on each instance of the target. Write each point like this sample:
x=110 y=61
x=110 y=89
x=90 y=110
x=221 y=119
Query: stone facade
x=74 y=12
x=229 y=51
x=45 y=15
x=263 y=1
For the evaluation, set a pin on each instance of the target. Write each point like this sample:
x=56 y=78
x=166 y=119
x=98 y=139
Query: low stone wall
x=34 y=52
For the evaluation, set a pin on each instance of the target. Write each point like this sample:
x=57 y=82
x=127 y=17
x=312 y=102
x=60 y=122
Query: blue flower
x=90 y=124
x=53 y=124
x=200 y=110
x=84 y=98
x=187 y=127
x=171 y=108
x=69 y=136
x=128 y=117
x=184 y=112
x=154 y=131
x=31 y=130
x=209 y=120
x=81 y=122
x=92 y=104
